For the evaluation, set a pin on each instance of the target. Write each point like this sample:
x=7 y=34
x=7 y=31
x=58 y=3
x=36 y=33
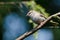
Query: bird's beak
x=27 y=14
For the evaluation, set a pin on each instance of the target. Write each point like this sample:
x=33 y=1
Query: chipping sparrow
x=36 y=17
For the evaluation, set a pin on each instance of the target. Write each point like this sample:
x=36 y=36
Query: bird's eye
x=41 y=15
x=29 y=13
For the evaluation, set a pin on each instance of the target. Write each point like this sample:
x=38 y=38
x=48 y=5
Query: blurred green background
x=45 y=6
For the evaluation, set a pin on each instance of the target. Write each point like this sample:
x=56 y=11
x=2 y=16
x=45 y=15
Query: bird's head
x=29 y=13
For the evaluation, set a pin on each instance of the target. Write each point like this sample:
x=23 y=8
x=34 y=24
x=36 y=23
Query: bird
x=36 y=17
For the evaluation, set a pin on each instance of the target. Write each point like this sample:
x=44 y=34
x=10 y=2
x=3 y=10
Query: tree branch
x=37 y=28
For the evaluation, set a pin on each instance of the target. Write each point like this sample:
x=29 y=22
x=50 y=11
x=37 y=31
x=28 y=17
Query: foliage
x=6 y=8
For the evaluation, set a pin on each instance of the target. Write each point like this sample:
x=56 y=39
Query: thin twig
x=9 y=2
x=37 y=28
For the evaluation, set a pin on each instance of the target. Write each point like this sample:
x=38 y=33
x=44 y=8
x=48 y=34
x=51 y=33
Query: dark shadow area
x=49 y=6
